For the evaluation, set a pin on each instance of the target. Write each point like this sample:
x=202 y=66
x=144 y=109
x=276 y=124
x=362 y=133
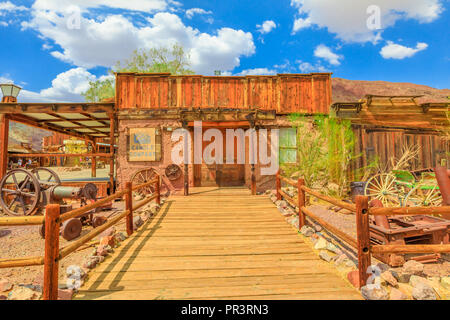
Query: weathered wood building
x=164 y=103
x=384 y=124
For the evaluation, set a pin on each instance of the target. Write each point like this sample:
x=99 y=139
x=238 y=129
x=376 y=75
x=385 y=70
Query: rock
x=325 y=256
x=374 y=292
x=107 y=233
x=400 y=276
x=353 y=277
x=307 y=231
x=332 y=248
x=382 y=266
x=445 y=282
x=341 y=259
x=5 y=285
x=23 y=293
x=102 y=250
x=137 y=222
x=350 y=264
x=2 y=297
x=92 y=261
x=318 y=228
x=65 y=294
x=281 y=204
x=414 y=280
x=321 y=244
x=413 y=267
x=389 y=278
x=422 y=291
x=120 y=236
x=396 y=294
x=154 y=208
x=108 y=241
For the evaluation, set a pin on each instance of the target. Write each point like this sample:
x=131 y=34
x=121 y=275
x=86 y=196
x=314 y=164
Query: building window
x=288 y=145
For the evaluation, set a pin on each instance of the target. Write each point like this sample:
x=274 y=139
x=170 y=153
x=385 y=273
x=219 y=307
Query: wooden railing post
x=158 y=191
x=129 y=207
x=253 y=180
x=301 y=203
x=50 y=290
x=363 y=238
x=186 y=179
x=278 y=182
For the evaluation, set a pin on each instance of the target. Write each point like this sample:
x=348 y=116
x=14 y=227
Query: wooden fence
x=361 y=208
x=52 y=221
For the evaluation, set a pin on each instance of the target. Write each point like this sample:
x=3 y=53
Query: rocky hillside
x=353 y=90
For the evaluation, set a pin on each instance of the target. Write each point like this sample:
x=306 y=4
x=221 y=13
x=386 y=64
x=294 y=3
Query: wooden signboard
x=143 y=144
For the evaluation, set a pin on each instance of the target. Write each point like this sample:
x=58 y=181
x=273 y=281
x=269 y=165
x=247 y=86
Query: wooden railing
x=361 y=208
x=52 y=221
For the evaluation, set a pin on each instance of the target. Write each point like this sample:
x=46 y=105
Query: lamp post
x=10 y=92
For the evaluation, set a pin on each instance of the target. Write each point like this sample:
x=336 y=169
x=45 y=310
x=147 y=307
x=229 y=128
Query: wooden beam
x=363 y=238
x=4 y=135
x=19 y=108
x=111 y=150
x=44 y=155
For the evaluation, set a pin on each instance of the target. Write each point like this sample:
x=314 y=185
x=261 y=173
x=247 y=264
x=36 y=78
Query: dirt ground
x=347 y=223
x=25 y=241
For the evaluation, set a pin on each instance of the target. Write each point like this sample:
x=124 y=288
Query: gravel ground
x=347 y=224
x=25 y=241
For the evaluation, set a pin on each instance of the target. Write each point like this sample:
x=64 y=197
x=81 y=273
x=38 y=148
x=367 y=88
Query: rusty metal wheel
x=173 y=172
x=20 y=193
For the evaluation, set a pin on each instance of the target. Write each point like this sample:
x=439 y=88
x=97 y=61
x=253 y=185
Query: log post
x=278 y=182
x=4 y=133
x=363 y=238
x=301 y=203
x=112 y=128
x=158 y=191
x=253 y=180
x=51 y=257
x=129 y=207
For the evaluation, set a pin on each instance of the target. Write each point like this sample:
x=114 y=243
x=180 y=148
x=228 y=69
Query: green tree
x=172 y=60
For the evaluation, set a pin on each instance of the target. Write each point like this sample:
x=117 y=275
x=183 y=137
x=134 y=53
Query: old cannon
x=25 y=193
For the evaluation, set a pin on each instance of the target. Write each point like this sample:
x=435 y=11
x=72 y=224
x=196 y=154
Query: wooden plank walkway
x=216 y=244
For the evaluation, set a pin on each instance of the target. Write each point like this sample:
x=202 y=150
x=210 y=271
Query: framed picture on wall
x=144 y=144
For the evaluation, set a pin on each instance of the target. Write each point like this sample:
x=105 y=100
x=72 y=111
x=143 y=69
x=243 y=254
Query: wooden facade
x=285 y=93
x=383 y=125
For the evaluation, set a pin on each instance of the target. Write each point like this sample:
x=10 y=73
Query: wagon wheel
x=141 y=177
x=384 y=188
x=23 y=200
x=421 y=196
x=46 y=177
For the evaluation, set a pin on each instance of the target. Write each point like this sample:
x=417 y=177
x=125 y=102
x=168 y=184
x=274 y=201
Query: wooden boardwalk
x=216 y=244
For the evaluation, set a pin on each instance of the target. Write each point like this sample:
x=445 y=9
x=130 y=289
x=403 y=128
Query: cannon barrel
x=61 y=192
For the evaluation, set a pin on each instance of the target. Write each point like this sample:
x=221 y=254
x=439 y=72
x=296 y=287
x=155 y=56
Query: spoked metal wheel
x=46 y=177
x=20 y=193
x=141 y=177
x=384 y=188
x=424 y=196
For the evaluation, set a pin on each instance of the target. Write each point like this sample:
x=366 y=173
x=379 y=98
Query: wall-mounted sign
x=142 y=146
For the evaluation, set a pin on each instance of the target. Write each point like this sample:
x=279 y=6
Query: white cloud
x=191 y=12
x=301 y=23
x=256 y=72
x=135 y=5
x=104 y=42
x=8 y=6
x=396 y=51
x=266 y=27
x=306 y=67
x=322 y=51
x=66 y=87
x=348 y=18
x=3 y=23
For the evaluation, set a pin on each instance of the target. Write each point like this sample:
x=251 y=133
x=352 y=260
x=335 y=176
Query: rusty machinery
x=418 y=229
x=25 y=192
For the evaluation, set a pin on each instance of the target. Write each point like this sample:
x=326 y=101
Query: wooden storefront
x=383 y=125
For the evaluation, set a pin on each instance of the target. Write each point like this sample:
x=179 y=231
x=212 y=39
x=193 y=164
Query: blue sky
x=53 y=56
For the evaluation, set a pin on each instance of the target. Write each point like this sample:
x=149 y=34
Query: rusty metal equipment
x=404 y=230
x=25 y=192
